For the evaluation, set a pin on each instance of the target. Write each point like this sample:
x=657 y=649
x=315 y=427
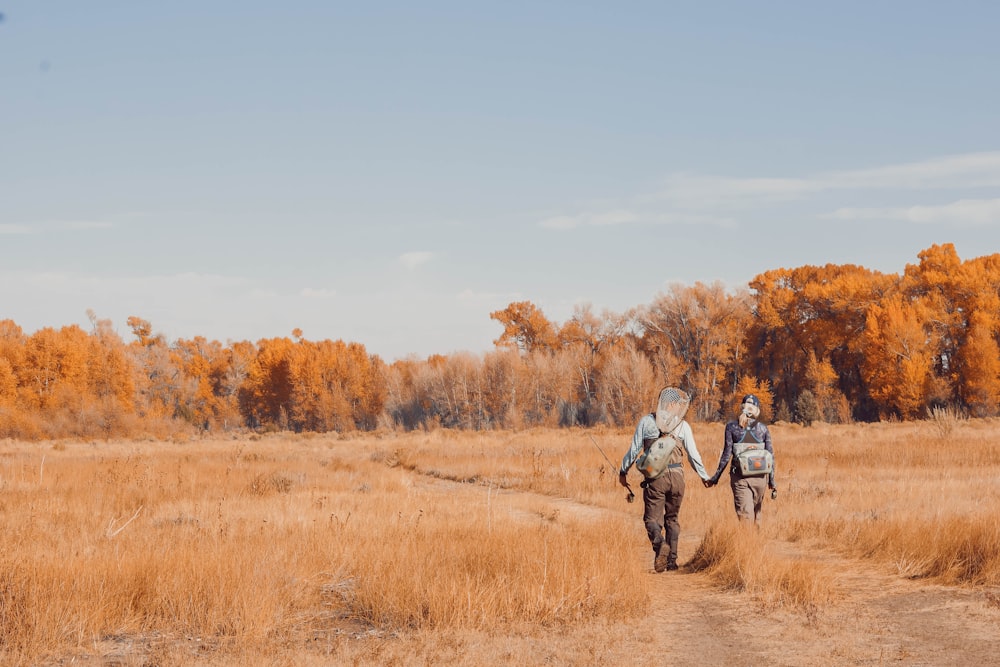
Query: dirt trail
x=877 y=618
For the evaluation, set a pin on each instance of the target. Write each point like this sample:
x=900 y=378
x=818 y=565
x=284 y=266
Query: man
x=657 y=449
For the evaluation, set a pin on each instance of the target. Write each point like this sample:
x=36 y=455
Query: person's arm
x=687 y=439
x=768 y=447
x=727 y=453
x=642 y=431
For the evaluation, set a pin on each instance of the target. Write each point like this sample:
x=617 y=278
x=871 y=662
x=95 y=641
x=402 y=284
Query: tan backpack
x=752 y=459
x=658 y=455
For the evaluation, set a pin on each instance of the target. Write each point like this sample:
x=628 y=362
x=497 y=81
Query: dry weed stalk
x=945 y=420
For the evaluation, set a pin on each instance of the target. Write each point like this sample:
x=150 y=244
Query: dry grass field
x=503 y=548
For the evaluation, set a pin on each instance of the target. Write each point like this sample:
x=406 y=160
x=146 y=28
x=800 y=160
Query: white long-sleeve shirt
x=647 y=431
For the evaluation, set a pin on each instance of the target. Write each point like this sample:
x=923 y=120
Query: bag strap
x=749 y=431
x=672 y=433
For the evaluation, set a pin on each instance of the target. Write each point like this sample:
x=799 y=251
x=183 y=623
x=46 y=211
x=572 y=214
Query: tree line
x=836 y=343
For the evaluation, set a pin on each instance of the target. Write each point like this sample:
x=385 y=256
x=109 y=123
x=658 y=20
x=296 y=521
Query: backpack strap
x=749 y=431
x=647 y=442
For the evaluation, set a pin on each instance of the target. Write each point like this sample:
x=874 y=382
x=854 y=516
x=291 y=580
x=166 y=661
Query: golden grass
x=248 y=543
x=743 y=559
x=899 y=495
x=243 y=550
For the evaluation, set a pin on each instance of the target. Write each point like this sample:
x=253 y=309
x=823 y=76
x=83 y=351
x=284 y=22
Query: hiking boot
x=671 y=567
x=661 y=564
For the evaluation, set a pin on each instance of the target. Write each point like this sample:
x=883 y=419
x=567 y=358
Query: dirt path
x=877 y=618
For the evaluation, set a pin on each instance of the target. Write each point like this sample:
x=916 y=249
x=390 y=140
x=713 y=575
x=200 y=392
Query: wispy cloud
x=973 y=170
x=620 y=217
x=411 y=260
x=15 y=229
x=321 y=293
x=468 y=295
x=693 y=192
x=616 y=217
x=963 y=213
x=697 y=199
x=53 y=225
x=87 y=224
x=976 y=170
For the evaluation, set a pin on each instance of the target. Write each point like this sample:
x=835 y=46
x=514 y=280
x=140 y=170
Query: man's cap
x=752 y=400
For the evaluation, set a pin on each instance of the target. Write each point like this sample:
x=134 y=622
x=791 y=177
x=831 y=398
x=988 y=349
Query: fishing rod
x=631 y=496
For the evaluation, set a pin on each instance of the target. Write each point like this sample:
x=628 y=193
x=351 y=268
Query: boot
x=661 y=562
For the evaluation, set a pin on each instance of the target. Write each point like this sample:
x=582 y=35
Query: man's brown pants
x=662 y=499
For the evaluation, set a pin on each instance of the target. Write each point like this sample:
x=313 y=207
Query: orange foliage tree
x=525 y=327
x=963 y=299
x=898 y=366
x=831 y=342
x=330 y=385
x=980 y=385
x=818 y=311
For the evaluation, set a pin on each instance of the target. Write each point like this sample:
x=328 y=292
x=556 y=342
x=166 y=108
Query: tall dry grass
x=909 y=496
x=742 y=559
x=246 y=544
x=245 y=548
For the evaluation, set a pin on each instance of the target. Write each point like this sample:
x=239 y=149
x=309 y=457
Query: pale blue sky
x=392 y=172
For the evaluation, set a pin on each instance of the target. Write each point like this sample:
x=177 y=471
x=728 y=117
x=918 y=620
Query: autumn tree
x=141 y=329
x=627 y=384
x=503 y=391
x=265 y=397
x=56 y=366
x=963 y=304
x=899 y=356
x=404 y=407
x=822 y=380
x=585 y=340
x=525 y=328
x=206 y=395
x=702 y=328
x=111 y=393
x=12 y=341
x=12 y=418
x=333 y=386
x=818 y=310
x=157 y=379
x=806 y=408
x=980 y=384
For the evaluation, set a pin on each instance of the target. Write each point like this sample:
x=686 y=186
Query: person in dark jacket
x=746 y=431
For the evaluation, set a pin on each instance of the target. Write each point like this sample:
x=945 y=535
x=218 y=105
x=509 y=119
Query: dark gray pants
x=662 y=499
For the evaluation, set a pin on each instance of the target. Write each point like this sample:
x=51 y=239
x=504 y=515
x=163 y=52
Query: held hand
x=709 y=483
x=774 y=493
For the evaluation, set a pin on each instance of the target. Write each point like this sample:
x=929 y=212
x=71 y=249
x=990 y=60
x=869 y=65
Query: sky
x=390 y=173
